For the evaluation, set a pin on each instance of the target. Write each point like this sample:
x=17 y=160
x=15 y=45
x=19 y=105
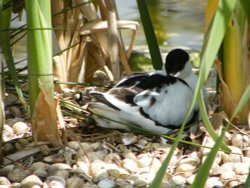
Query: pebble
x=17 y=174
x=16 y=112
x=74 y=182
x=98 y=165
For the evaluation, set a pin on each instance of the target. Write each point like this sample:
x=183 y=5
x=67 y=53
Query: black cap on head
x=176 y=60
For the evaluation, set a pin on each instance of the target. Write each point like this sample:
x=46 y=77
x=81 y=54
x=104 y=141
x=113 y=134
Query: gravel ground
x=96 y=157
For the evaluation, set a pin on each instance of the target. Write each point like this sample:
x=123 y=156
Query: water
x=176 y=22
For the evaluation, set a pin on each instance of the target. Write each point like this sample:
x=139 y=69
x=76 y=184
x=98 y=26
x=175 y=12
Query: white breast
x=170 y=105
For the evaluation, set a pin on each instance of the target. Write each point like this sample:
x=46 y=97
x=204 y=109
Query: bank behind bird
x=156 y=101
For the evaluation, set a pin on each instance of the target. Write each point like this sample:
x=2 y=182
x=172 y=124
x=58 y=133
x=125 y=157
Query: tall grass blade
x=207 y=123
x=150 y=35
x=246 y=6
x=203 y=173
x=1 y=97
x=214 y=36
x=162 y=171
x=212 y=42
x=7 y=51
x=243 y=100
x=247 y=183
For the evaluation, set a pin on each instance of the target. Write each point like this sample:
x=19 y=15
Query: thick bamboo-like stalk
x=210 y=11
x=233 y=71
x=232 y=60
x=113 y=39
x=39 y=50
x=41 y=87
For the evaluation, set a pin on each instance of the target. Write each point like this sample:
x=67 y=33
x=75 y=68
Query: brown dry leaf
x=225 y=97
x=217 y=120
x=248 y=119
x=44 y=119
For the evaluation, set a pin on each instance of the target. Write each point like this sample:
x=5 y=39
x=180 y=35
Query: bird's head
x=177 y=64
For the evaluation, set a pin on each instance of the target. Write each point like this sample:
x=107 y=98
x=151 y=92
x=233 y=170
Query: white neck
x=185 y=73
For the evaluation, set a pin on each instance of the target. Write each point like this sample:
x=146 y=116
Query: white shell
x=228 y=174
x=74 y=145
x=106 y=183
x=98 y=170
x=8 y=133
x=128 y=139
x=4 y=182
x=59 y=166
x=113 y=170
x=213 y=182
x=235 y=156
x=20 y=128
x=129 y=165
x=234 y=183
x=237 y=140
x=190 y=179
x=86 y=146
x=185 y=170
x=123 y=173
x=83 y=167
x=176 y=181
x=38 y=165
x=40 y=173
x=111 y=157
x=145 y=161
x=241 y=168
x=55 y=181
x=31 y=181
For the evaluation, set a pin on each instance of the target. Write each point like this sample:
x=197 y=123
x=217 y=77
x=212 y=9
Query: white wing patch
x=168 y=106
x=145 y=98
